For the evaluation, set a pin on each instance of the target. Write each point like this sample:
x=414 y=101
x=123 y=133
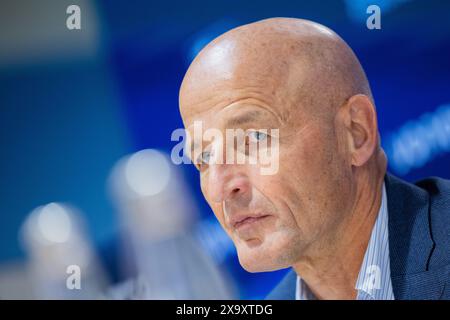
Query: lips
x=244 y=220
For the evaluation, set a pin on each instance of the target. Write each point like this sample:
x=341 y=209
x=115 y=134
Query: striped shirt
x=374 y=278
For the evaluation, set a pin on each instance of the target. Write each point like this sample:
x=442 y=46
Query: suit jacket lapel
x=410 y=242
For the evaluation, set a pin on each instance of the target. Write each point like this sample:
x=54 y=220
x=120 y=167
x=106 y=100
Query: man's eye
x=256 y=136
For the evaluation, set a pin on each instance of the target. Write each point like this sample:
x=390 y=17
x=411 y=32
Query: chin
x=259 y=260
x=253 y=267
x=272 y=252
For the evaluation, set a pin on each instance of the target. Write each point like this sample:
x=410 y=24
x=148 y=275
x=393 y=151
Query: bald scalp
x=299 y=62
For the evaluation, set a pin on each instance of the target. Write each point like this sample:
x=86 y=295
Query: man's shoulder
x=438 y=190
x=419 y=237
x=437 y=187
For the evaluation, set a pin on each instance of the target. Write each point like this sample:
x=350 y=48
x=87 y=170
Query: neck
x=331 y=272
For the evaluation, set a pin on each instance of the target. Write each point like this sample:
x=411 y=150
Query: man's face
x=274 y=220
x=294 y=79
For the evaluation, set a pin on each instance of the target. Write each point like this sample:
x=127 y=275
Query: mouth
x=247 y=221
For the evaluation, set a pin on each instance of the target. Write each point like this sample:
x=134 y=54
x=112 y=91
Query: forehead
x=201 y=92
x=218 y=99
x=244 y=113
x=226 y=76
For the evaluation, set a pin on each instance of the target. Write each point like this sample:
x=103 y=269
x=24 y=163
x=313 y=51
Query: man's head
x=301 y=78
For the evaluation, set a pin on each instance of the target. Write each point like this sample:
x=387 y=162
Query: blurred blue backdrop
x=72 y=102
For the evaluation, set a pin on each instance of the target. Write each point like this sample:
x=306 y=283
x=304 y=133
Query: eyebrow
x=243 y=119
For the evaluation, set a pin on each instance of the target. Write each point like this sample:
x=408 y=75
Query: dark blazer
x=419 y=241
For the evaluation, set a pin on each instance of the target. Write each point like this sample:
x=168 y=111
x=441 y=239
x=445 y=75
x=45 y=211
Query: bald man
x=330 y=211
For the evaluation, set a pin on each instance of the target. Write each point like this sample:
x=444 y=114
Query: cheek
x=313 y=161
x=303 y=166
x=283 y=196
x=313 y=174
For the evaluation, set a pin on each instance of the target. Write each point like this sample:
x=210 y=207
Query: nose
x=227 y=182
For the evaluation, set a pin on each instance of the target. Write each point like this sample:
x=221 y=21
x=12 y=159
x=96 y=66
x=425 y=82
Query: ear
x=361 y=124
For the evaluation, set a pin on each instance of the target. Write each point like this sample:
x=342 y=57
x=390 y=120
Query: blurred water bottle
x=61 y=260
x=160 y=254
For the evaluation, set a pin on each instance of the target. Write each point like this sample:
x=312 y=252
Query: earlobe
x=363 y=128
